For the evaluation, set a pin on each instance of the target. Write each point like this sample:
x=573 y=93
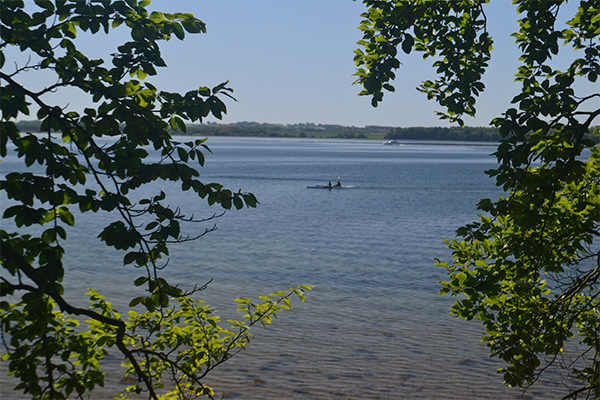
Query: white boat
x=391 y=142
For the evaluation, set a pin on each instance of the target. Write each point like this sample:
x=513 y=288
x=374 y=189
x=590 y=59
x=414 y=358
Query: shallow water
x=374 y=326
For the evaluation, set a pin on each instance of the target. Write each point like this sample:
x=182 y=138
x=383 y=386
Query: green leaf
x=193 y=26
x=407 y=43
x=136 y=300
x=238 y=203
x=46 y=4
x=157 y=17
x=181 y=124
x=66 y=216
x=204 y=91
x=140 y=281
x=183 y=154
x=130 y=258
x=178 y=30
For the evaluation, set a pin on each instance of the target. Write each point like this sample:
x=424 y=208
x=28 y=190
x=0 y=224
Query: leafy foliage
x=454 y=31
x=95 y=162
x=529 y=268
x=478 y=134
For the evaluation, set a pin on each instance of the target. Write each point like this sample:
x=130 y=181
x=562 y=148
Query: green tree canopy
x=96 y=162
x=529 y=267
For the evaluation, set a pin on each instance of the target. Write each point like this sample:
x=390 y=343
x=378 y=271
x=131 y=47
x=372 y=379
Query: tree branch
x=20 y=262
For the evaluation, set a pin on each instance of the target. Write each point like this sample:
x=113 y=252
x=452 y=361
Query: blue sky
x=291 y=61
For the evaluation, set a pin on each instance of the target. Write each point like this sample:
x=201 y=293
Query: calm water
x=374 y=326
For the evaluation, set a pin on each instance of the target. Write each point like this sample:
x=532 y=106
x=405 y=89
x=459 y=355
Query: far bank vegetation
x=310 y=130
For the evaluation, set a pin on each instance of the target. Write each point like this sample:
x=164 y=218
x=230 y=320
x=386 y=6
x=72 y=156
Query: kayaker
x=338 y=183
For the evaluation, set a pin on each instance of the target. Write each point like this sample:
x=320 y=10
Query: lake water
x=374 y=326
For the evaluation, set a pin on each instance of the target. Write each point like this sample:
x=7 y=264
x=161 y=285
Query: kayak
x=330 y=187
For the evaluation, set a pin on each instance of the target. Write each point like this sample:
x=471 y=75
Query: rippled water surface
x=374 y=326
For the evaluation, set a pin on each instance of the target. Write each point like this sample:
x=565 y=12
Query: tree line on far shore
x=310 y=130
x=468 y=133
x=305 y=130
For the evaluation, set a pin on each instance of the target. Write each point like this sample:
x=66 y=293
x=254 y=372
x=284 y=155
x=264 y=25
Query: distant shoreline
x=373 y=141
x=323 y=131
